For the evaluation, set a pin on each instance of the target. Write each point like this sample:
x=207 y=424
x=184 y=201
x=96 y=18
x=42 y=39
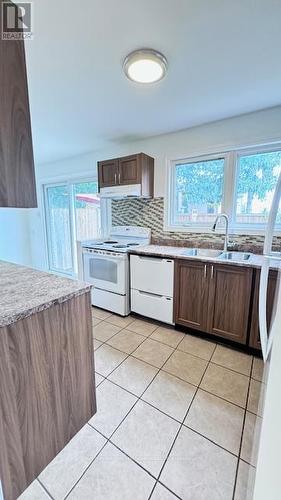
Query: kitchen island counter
x=47 y=385
x=25 y=291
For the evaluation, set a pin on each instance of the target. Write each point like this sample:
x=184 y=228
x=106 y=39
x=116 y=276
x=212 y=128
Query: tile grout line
x=139 y=398
x=44 y=488
x=107 y=439
x=242 y=434
x=177 y=434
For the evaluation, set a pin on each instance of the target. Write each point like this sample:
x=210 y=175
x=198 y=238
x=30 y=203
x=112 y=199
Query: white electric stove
x=105 y=264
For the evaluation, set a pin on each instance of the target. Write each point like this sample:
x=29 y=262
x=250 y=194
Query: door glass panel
x=87 y=210
x=102 y=269
x=59 y=229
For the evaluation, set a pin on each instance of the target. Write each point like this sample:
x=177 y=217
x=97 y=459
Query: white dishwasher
x=152 y=287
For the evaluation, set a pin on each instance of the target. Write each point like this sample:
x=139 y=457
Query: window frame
x=229 y=195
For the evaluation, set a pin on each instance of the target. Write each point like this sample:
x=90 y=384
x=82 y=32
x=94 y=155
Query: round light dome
x=145 y=66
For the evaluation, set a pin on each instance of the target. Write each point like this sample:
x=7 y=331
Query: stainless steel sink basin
x=202 y=252
x=235 y=256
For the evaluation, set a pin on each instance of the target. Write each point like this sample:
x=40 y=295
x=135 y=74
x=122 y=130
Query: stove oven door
x=106 y=271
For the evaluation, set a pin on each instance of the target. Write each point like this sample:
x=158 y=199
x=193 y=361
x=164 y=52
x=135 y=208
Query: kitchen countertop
x=25 y=291
x=255 y=260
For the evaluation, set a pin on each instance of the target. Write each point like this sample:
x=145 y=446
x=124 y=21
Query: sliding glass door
x=72 y=212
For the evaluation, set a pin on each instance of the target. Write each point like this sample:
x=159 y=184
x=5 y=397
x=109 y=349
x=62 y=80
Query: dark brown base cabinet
x=254 y=340
x=213 y=298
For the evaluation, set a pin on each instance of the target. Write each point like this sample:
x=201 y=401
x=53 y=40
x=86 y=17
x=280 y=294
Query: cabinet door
x=229 y=301
x=129 y=170
x=17 y=179
x=271 y=288
x=191 y=287
x=108 y=173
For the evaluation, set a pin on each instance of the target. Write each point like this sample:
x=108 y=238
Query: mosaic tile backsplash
x=150 y=213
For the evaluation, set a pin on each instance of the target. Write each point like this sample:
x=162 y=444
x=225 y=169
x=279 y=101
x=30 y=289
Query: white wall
x=15 y=236
x=254 y=128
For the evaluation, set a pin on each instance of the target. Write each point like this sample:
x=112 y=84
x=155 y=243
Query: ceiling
x=224 y=60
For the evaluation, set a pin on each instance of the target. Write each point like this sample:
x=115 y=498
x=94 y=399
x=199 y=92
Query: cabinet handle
x=212 y=272
x=115 y=178
x=119 y=177
x=205 y=271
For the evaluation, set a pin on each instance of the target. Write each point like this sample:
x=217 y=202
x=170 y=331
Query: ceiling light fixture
x=145 y=66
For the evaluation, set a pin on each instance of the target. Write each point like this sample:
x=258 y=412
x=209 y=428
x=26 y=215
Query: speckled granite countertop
x=25 y=291
x=178 y=253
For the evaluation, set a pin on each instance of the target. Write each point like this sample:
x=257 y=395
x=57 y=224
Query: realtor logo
x=16 y=21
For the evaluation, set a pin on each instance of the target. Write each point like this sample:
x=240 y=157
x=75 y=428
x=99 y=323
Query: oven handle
x=105 y=256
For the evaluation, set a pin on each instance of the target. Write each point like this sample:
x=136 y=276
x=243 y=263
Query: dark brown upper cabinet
x=134 y=169
x=271 y=289
x=213 y=298
x=17 y=179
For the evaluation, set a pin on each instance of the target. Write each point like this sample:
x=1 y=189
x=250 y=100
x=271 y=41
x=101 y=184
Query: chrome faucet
x=225 y=217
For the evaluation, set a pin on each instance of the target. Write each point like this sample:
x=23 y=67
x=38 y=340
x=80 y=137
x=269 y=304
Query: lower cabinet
x=272 y=283
x=214 y=298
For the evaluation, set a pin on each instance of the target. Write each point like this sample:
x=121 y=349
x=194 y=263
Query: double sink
x=217 y=254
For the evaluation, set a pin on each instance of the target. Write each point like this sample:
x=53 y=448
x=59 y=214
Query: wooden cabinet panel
x=129 y=170
x=17 y=179
x=47 y=388
x=108 y=173
x=134 y=169
x=229 y=301
x=271 y=289
x=190 y=294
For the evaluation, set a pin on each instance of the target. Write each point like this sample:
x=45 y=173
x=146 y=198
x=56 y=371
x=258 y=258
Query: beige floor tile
x=256 y=397
x=100 y=313
x=121 y=321
x=234 y=360
x=113 y=476
x=186 y=367
x=34 y=492
x=198 y=469
x=97 y=344
x=126 y=341
x=216 y=419
x=245 y=482
x=104 y=331
x=134 y=375
x=161 y=493
x=251 y=437
x=142 y=327
x=168 y=336
x=107 y=358
x=196 y=346
x=113 y=404
x=99 y=379
x=66 y=468
x=146 y=435
x=170 y=395
x=226 y=384
x=153 y=352
x=96 y=321
x=258 y=367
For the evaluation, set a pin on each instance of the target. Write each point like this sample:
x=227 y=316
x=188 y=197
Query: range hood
x=116 y=192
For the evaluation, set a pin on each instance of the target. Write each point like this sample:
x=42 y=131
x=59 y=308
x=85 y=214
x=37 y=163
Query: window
x=198 y=190
x=239 y=183
x=257 y=175
x=72 y=213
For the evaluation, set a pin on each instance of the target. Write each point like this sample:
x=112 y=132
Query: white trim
x=69 y=181
x=231 y=156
